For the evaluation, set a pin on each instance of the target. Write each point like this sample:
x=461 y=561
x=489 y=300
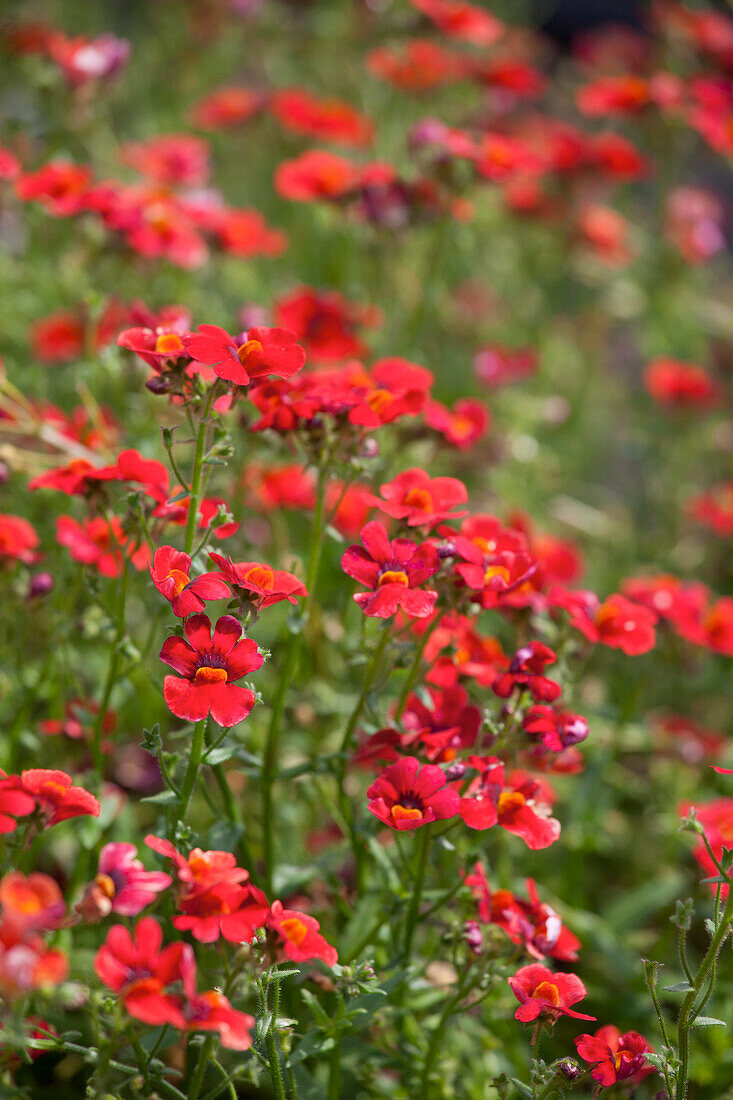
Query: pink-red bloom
x=54 y=794
x=540 y=992
x=252 y=354
x=617 y=1057
x=298 y=937
x=407 y=795
x=518 y=803
x=419 y=500
x=122 y=885
x=171 y=573
x=263 y=586
x=393 y=571
x=208 y=667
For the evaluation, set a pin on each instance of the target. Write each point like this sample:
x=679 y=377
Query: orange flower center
x=208 y=675
x=295 y=930
x=168 y=342
x=379 y=400
x=250 y=353
x=394 y=576
x=406 y=813
x=546 y=991
x=261 y=576
x=509 y=802
x=496 y=571
x=106 y=885
x=487 y=546
x=420 y=499
x=180 y=580
x=726 y=829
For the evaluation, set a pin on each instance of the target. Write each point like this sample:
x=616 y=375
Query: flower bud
x=473 y=936
x=455 y=771
x=570 y=1069
x=41 y=584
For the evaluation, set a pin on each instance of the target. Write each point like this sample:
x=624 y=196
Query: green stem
x=432 y=1051
x=194 y=763
x=414 y=911
x=414 y=670
x=269 y=770
x=334 y=1071
x=198 y=471
x=369 y=679
x=687 y=1009
x=113 y=669
x=272 y=1052
x=198 y=1074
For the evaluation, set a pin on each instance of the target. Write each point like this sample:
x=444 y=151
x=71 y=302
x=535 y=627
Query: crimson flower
x=208 y=667
x=448 y=723
x=618 y=1057
x=171 y=570
x=543 y=993
x=100 y=542
x=123 y=960
x=526 y=671
x=300 y=940
x=18 y=539
x=264 y=585
x=406 y=795
x=556 y=729
x=519 y=804
x=122 y=885
x=420 y=500
x=55 y=795
x=392 y=571
x=253 y=354
x=14 y=803
x=463 y=425
x=680 y=385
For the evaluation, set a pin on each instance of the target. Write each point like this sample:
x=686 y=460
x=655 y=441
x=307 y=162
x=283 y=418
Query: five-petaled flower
x=171 y=573
x=617 y=1057
x=208 y=667
x=252 y=354
x=540 y=992
x=407 y=795
x=393 y=571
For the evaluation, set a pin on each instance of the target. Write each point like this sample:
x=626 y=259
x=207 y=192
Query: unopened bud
x=455 y=771
x=4 y=472
x=570 y=1069
x=40 y=585
x=473 y=937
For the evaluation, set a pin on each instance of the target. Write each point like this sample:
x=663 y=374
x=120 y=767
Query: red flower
x=324 y=322
x=529 y=922
x=18 y=539
x=245 y=233
x=254 y=354
x=14 y=803
x=265 y=586
x=171 y=570
x=209 y=667
x=714 y=509
x=323 y=119
x=558 y=730
x=605 y=231
x=542 y=992
x=100 y=543
x=169 y=159
x=316 y=174
x=420 y=500
x=406 y=795
x=497 y=365
x=393 y=571
x=526 y=671
x=350 y=506
x=680 y=385
x=463 y=425
x=422 y=65
x=618 y=622
x=615 y=95
x=226 y=108
x=58 y=338
x=521 y=805
x=450 y=723
x=459 y=19
x=123 y=961
x=55 y=795
x=618 y=1057
x=214 y=897
x=716 y=818
x=61 y=187
x=299 y=936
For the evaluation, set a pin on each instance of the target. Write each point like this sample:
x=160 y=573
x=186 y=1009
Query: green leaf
x=163 y=798
x=678 y=987
x=220 y=754
x=522 y=1089
x=708 y=1021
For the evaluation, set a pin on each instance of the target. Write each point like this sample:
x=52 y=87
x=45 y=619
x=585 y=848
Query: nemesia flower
x=58 y=338
x=407 y=795
x=10 y=167
x=463 y=425
x=714 y=509
x=30 y=903
x=684 y=737
x=614 y=96
x=606 y=232
x=82 y=60
x=519 y=804
x=716 y=818
x=617 y=1057
x=125 y=961
x=14 y=803
x=526 y=671
x=557 y=729
x=170 y=570
x=317 y=174
x=448 y=724
x=208 y=668
x=253 y=354
x=122 y=885
x=324 y=322
x=497 y=365
x=289 y=486
x=459 y=19
x=59 y=186
x=393 y=572
x=214 y=897
x=421 y=501
x=101 y=543
x=226 y=108
x=264 y=586
x=471 y=654
x=694 y=223
x=26 y=963
x=323 y=119
x=617 y=622
x=55 y=795
x=169 y=159
x=18 y=539
x=529 y=922
x=349 y=505
x=680 y=385
x=421 y=65
x=299 y=938
x=540 y=992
